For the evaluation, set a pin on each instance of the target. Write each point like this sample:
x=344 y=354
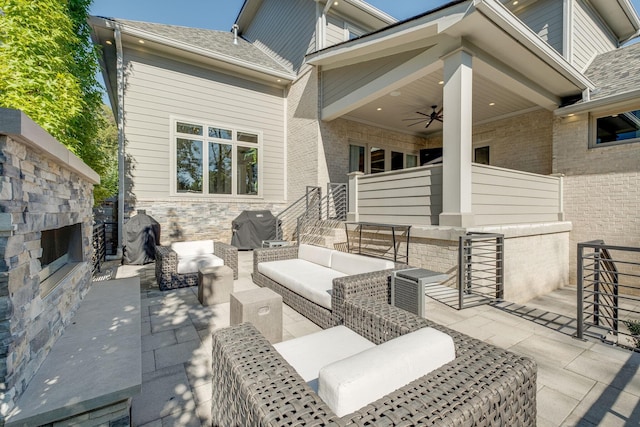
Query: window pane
x=397 y=160
x=377 y=160
x=247 y=137
x=219 y=168
x=220 y=133
x=356 y=158
x=189 y=128
x=247 y=170
x=618 y=127
x=481 y=155
x=189 y=166
x=412 y=160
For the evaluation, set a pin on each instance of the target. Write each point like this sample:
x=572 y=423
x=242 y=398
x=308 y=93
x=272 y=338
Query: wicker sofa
x=167 y=261
x=372 y=284
x=483 y=386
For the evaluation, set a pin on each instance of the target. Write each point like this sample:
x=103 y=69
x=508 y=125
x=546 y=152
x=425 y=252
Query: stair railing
x=608 y=282
x=332 y=207
x=287 y=220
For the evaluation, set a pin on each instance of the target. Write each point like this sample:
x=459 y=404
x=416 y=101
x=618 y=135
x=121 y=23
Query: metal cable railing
x=608 y=293
x=480 y=269
x=323 y=213
x=288 y=218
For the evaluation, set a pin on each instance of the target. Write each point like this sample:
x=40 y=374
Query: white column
x=457 y=128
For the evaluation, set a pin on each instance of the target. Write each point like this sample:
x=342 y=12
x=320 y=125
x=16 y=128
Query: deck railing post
x=580 y=286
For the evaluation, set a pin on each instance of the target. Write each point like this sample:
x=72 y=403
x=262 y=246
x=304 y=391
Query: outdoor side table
x=262 y=307
x=215 y=284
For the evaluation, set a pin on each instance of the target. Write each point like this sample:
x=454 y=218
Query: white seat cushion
x=315 y=254
x=357 y=264
x=311 y=352
x=351 y=383
x=305 y=278
x=196 y=247
x=191 y=264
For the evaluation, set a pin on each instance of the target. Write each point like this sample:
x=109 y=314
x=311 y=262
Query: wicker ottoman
x=215 y=284
x=261 y=307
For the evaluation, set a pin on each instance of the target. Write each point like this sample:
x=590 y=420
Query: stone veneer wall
x=38 y=191
x=601 y=188
x=197 y=219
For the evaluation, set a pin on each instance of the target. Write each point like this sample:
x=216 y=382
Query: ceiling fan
x=429 y=118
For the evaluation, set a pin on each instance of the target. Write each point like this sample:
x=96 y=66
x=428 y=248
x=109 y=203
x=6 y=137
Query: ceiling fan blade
x=429 y=124
x=416 y=123
x=439 y=119
x=440 y=111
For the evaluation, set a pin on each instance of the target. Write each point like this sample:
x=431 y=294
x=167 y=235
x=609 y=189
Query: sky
x=221 y=14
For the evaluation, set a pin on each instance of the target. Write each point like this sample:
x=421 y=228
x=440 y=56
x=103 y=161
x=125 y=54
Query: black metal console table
x=379 y=240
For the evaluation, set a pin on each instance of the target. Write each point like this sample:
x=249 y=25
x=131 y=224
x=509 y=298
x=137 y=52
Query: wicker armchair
x=483 y=386
x=167 y=263
x=375 y=285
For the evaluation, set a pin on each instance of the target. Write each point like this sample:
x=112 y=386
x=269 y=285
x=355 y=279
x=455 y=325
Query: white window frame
x=593 y=128
x=350 y=28
x=174 y=135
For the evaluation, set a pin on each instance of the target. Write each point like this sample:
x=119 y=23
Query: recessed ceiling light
x=492 y=103
x=335 y=3
x=108 y=42
x=570 y=115
x=515 y=2
x=379 y=108
x=279 y=80
x=441 y=82
x=395 y=93
x=614 y=115
x=141 y=41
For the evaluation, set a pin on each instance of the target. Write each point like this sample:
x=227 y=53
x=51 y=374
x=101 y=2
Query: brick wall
x=36 y=193
x=522 y=142
x=601 y=188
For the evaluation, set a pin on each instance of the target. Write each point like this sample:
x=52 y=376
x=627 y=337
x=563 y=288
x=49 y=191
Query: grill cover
x=141 y=235
x=250 y=228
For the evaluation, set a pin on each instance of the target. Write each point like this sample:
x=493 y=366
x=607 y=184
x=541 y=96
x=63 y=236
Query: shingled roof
x=217 y=42
x=615 y=72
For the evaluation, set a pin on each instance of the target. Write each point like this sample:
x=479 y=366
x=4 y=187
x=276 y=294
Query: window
x=368 y=159
x=222 y=161
x=353 y=32
x=617 y=128
x=356 y=158
x=481 y=155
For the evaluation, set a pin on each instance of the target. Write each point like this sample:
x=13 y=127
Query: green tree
x=48 y=68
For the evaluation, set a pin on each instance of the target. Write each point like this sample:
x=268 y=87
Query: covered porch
x=477 y=66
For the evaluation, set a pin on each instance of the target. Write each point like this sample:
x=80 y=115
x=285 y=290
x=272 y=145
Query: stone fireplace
x=46 y=198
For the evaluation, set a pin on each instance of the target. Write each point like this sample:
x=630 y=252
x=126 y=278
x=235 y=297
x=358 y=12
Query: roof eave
x=618 y=100
x=205 y=53
x=501 y=17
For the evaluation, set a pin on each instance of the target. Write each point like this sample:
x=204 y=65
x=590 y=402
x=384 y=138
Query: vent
x=408 y=288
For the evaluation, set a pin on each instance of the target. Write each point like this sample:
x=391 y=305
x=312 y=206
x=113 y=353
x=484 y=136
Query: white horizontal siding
x=336 y=83
x=159 y=87
x=590 y=35
x=502 y=196
x=545 y=18
x=288 y=46
x=411 y=196
x=335 y=30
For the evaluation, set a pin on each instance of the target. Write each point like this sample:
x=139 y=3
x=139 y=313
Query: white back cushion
x=315 y=254
x=197 y=247
x=311 y=352
x=191 y=264
x=349 y=384
x=357 y=264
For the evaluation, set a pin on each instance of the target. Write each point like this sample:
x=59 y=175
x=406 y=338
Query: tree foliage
x=48 y=68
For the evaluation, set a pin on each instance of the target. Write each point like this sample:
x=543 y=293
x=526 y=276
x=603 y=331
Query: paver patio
x=581 y=383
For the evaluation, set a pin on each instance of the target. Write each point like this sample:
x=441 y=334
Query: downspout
x=121 y=169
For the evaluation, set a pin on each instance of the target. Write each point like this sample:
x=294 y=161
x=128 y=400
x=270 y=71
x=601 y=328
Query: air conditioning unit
x=408 y=288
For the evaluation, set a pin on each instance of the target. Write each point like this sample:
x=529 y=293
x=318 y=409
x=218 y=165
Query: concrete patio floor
x=580 y=383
